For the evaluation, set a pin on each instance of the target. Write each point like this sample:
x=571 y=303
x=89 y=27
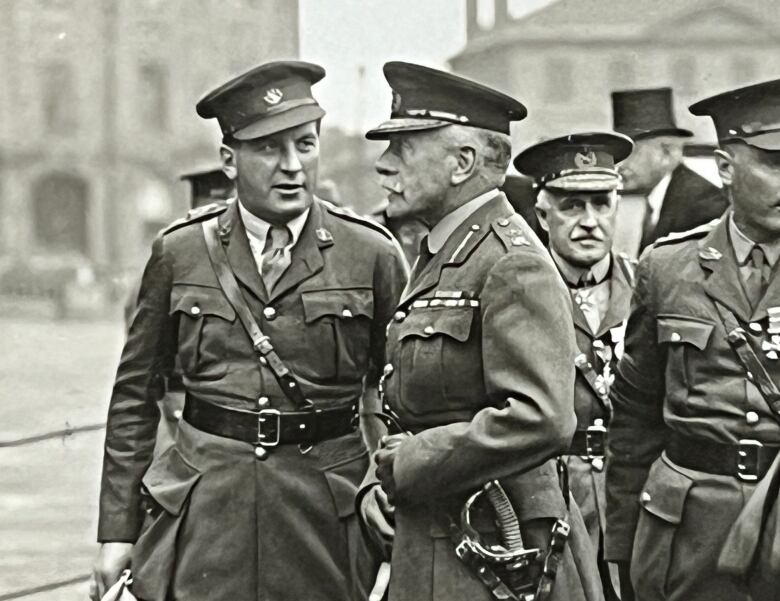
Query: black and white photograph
x=410 y=300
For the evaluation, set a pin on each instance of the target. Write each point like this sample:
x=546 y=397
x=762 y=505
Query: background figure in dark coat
x=671 y=197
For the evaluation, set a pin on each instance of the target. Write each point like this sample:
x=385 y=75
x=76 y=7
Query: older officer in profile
x=576 y=204
x=480 y=354
x=275 y=307
x=693 y=431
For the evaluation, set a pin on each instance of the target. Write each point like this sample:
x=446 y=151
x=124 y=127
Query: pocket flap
x=200 y=300
x=454 y=322
x=665 y=492
x=343 y=481
x=339 y=303
x=680 y=329
x=169 y=480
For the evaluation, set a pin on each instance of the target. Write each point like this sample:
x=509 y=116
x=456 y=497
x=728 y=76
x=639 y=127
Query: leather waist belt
x=590 y=442
x=270 y=427
x=747 y=460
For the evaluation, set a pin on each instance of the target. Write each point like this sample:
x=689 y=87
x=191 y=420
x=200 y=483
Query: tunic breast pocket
x=205 y=319
x=440 y=364
x=338 y=331
x=686 y=339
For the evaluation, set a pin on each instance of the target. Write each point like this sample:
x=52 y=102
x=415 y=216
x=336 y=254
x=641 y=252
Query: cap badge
x=273 y=96
x=583 y=160
x=396 y=105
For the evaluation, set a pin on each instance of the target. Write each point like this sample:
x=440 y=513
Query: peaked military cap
x=584 y=162
x=425 y=98
x=265 y=100
x=642 y=113
x=208 y=185
x=750 y=114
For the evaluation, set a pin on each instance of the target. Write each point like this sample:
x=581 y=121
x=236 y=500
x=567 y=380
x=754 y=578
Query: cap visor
x=585 y=182
x=279 y=122
x=394 y=126
x=767 y=141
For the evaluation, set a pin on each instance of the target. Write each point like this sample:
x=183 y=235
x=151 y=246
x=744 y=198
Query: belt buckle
x=748 y=459
x=595 y=441
x=276 y=431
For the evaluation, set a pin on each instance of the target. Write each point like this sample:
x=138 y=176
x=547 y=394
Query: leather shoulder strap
x=756 y=372
x=261 y=343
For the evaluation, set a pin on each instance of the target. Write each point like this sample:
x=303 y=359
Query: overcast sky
x=345 y=36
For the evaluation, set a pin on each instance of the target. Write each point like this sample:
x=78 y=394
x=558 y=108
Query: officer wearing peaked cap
x=275 y=308
x=480 y=352
x=577 y=184
x=694 y=431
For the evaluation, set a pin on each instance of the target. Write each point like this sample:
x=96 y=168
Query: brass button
x=751 y=417
x=195 y=310
x=389 y=369
x=346 y=313
x=675 y=337
x=503 y=222
x=177 y=414
x=263 y=361
x=475 y=228
x=598 y=422
x=428 y=330
x=263 y=401
x=756 y=327
x=399 y=316
x=749 y=376
x=644 y=498
x=261 y=453
x=269 y=313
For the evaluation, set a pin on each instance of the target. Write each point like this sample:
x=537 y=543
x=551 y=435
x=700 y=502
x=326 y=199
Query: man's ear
x=725 y=162
x=228 y=156
x=541 y=215
x=466 y=164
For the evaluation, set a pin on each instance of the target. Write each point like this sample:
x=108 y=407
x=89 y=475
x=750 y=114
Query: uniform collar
x=572 y=274
x=441 y=232
x=743 y=245
x=655 y=198
x=258 y=228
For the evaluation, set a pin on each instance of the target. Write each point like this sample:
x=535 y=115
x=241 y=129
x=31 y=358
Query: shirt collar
x=444 y=229
x=656 y=196
x=743 y=245
x=258 y=228
x=573 y=274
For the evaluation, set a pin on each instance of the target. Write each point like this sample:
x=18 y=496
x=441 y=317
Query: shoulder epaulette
x=196 y=215
x=350 y=215
x=513 y=231
x=692 y=234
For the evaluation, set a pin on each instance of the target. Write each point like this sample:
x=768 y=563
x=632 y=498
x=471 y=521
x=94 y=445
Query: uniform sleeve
x=133 y=414
x=637 y=433
x=528 y=350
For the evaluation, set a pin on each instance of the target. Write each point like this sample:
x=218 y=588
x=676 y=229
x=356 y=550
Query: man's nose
x=384 y=166
x=290 y=161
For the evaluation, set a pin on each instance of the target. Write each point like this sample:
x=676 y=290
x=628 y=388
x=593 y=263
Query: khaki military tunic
x=222 y=524
x=480 y=368
x=679 y=375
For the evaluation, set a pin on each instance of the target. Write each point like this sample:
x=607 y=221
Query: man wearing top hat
x=577 y=193
x=275 y=308
x=693 y=432
x=674 y=197
x=480 y=360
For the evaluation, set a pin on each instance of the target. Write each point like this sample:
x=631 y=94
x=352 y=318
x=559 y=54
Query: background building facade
x=97 y=121
x=563 y=60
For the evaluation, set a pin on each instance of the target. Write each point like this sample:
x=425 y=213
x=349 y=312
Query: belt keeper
x=264 y=346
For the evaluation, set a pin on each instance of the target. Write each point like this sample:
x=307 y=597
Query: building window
x=743 y=70
x=486 y=14
x=60 y=213
x=59 y=98
x=621 y=74
x=153 y=96
x=684 y=76
x=560 y=82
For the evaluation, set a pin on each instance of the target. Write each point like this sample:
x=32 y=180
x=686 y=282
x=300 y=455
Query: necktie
x=276 y=255
x=756 y=282
x=424 y=256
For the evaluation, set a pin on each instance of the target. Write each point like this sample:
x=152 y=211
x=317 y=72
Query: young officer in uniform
x=275 y=307
x=692 y=431
x=577 y=185
x=480 y=359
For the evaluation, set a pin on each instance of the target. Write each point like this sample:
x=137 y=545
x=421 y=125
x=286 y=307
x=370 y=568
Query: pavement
x=54 y=377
